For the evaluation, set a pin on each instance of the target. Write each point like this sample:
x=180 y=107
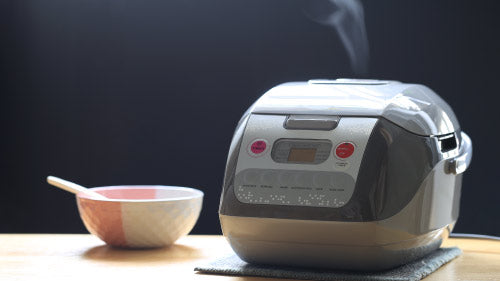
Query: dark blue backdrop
x=107 y=92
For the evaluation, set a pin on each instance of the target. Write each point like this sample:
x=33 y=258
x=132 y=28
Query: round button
x=344 y=150
x=257 y=147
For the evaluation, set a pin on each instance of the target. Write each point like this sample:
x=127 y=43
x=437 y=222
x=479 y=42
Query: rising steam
x=347 y=18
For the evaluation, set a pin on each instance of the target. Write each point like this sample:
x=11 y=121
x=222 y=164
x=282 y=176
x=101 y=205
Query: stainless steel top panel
x=414 y=107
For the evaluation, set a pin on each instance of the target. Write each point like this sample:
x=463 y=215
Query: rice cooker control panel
x=300 y=167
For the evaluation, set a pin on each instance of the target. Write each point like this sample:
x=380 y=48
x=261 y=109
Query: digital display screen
x=305 y=155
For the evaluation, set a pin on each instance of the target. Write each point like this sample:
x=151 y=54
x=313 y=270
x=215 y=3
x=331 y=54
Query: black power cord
x=477 y=236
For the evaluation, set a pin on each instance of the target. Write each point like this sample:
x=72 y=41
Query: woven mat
x=413 y=271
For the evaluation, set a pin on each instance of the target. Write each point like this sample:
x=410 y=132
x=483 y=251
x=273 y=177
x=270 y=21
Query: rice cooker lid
x=413 y=107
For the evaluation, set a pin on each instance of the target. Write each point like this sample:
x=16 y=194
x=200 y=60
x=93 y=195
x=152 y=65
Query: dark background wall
x=107 y=92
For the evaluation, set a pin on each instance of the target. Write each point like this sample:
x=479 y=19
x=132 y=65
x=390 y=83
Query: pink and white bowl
x=140 y=216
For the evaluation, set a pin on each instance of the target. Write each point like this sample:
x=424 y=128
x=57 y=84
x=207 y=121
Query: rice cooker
x=350 y=174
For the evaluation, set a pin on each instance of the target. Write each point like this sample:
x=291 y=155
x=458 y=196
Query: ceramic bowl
x=140 y=216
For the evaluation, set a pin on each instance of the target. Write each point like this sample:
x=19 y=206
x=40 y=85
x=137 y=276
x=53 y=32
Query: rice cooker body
x=349 y=174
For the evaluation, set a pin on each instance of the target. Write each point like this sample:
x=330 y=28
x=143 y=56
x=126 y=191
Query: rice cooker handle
x=460 y=163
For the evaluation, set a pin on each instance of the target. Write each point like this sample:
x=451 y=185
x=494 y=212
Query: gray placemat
x=413 y=271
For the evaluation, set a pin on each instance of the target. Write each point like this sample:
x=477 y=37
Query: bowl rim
x=195 y=193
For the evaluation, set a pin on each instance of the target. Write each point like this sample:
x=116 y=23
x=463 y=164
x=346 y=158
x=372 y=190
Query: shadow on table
x=113 y=254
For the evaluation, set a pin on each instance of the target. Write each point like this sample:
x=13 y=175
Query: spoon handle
x=72 y=187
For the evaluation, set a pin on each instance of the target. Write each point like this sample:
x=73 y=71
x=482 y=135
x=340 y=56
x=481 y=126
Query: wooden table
x=84 y=257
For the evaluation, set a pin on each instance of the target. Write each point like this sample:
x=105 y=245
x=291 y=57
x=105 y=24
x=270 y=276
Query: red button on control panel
x=344 y=150
x=257 y=147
